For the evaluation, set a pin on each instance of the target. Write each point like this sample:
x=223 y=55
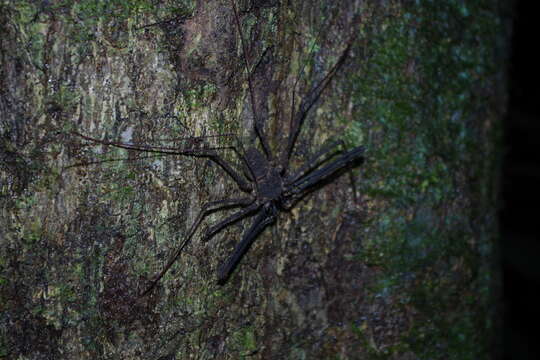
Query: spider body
x=269 y=185
x=268 y=181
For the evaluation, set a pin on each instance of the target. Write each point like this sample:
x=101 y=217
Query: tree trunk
x=390 y=259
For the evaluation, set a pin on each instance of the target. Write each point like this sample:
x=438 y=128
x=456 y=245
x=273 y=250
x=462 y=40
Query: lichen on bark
x=389 y=261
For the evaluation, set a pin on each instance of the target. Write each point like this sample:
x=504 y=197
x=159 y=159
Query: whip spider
x=268 y=183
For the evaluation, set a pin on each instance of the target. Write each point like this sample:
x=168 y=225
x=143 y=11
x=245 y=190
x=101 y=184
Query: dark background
x=520 y=189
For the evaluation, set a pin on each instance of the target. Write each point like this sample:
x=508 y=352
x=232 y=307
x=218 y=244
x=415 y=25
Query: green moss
x=415 y=71
x=197 y=98
x=416 y=95
x=246 y=341
x=367 y=342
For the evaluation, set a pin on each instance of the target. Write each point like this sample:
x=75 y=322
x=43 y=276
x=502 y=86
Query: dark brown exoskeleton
x=269 y=185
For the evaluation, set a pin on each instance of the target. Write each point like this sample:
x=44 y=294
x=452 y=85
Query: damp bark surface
x=393 y=259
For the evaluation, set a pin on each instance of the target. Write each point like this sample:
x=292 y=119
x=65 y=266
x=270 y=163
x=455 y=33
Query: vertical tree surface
x=392 y=259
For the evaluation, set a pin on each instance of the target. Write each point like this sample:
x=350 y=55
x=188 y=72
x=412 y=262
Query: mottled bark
x=391 y=260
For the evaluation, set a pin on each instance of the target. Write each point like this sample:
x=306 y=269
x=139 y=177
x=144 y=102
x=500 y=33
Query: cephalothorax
x=267 y=181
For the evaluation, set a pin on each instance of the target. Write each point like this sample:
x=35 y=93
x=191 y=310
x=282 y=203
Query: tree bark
x=393 y=259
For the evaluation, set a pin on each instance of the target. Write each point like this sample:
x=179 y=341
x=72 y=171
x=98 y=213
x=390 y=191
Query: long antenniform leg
x=203 y=153
x=265 y=218
x=207 y=209
x=307 y=103
x=258 y=122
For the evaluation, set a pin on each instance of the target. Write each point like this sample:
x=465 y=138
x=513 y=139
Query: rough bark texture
x=390 y=261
